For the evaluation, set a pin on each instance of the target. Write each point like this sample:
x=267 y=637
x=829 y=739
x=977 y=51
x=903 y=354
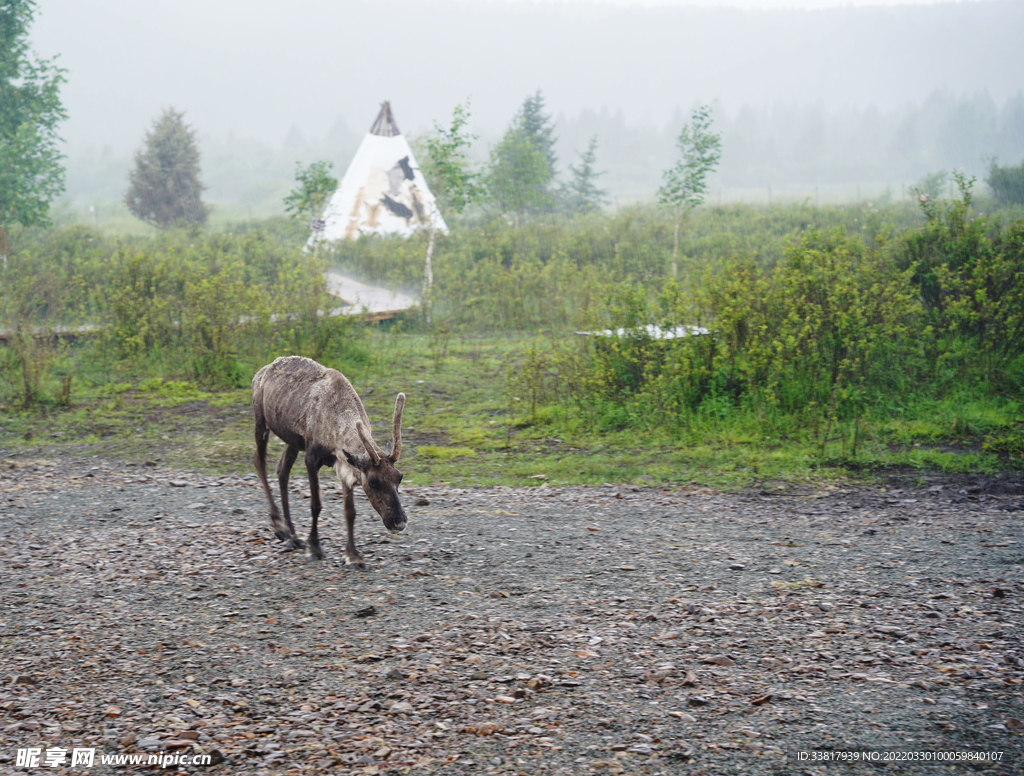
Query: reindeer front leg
x=313 y=549
x=352 y=556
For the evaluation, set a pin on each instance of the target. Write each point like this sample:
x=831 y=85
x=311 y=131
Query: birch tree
x=685 y=184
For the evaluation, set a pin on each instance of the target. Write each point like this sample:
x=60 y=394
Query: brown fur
x=316 y=410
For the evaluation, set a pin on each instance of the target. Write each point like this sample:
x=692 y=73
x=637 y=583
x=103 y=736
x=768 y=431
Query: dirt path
x=565 y=631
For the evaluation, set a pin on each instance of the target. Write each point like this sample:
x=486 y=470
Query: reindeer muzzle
x=396 y=521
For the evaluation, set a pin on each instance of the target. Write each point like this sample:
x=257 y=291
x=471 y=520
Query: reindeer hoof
x=313 y=552
x=357 y=562
x=282 y=534
x=296 y=543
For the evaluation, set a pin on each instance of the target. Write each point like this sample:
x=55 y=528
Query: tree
x=31 y=174
x=164 y=187
x=310 y=197
x=523 y=163
x=1007 y=183
x=518 y=175
x=454 y=184
x=581 y=194
x=684 y=184
x=446 y=169
x=538 y=128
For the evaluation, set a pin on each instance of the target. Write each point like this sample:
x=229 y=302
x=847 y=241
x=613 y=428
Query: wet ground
x=568 y=630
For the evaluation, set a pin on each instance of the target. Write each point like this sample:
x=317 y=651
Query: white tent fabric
x=383 y=191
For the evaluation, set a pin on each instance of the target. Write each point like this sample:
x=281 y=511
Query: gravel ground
x=559 y=630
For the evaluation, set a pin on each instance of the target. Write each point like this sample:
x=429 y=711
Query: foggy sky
x=258 y=68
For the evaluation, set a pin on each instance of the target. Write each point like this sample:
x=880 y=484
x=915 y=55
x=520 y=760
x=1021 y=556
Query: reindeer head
x=379 y=476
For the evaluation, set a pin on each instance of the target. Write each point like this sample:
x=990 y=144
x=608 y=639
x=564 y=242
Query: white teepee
x=383 y=191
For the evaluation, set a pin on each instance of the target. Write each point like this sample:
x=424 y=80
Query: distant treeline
x=782 y=145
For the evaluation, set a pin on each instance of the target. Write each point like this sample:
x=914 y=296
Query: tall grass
x=204 y=307
x=834 y=338
x=825 y=324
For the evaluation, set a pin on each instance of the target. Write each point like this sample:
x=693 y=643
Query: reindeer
x=316 y=409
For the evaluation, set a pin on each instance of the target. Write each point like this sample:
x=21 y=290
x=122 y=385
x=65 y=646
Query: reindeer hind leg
x=259 y=460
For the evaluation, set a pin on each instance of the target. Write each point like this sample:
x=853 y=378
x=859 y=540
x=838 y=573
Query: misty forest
x=608 y=251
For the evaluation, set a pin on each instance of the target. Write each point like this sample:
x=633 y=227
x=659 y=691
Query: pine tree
x=539 y=129
x=522 y=165
x=164 y=187
x=581 y=194
x=518 y=175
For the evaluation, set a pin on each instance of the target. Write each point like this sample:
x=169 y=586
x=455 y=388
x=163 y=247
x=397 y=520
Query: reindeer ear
x=359 y=463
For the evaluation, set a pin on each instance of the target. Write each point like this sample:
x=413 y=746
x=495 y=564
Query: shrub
x=1007 y=183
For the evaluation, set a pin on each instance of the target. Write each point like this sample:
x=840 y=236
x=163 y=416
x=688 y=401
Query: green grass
x=463 y=427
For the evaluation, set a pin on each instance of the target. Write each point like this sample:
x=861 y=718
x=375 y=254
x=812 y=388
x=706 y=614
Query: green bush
x=209 y=308
x=840 y=327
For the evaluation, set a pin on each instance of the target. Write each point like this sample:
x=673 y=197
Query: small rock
x=146 y=743
x=23 y=679
x=366 y=611
x=216 y=757
x=422 y=502
x=683 y=716
x=394 y=673
x=479 y=676
x=402 y=707
x=719 y=660
x=178 y=484
x=736 y=566
x=113 y=711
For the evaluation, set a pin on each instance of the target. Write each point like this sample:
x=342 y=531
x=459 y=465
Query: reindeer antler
x=371 y=446
x=396 y=429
